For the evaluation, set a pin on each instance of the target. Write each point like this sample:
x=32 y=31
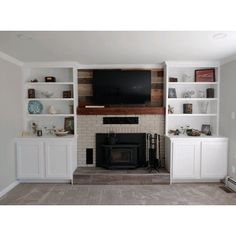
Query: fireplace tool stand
x=154 y=162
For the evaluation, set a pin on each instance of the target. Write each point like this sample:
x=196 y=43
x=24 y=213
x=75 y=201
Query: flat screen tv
x=121 y=86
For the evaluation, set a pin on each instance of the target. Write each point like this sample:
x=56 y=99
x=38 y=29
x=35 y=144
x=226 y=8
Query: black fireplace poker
x=154 y=162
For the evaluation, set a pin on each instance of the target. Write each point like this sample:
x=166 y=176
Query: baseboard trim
x=8 y=188
x=196 y=181
x=45 y=181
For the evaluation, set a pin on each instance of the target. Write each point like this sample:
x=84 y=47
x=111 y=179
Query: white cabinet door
x=57 y=159
x=30 y=163
x=186 y=159
x=214 y=159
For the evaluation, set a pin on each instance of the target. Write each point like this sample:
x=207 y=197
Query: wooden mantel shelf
x=121 y=111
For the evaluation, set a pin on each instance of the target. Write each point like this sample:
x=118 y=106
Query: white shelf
x=66 y=77
x=197 y=119
x=51 y=115
x=196 y=114
x=49 y=83
x=193 y=99
x=192 y=83
x=50 y=99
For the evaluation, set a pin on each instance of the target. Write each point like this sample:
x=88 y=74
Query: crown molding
x=228 y=60
x=192 y=63
x=10 y=59
x=51 y=64
x=120 y=66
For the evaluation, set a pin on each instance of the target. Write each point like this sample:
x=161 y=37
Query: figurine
x=170 y=109
x=47 y=94
x=188 y=93
x=52 y=110
x=187 y=78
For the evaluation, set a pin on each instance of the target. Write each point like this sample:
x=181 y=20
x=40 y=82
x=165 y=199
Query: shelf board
x=192 y=83
x=173 y=115
x=50 y=99
x=51 y=115
x=49 y=83
x=193 y=99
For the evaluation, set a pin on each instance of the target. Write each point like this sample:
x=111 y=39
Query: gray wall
x=10 y=119
x=227 y=106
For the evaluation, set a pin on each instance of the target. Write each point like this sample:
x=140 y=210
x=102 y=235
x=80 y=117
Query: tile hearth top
x=96 y=175
x=99 y=170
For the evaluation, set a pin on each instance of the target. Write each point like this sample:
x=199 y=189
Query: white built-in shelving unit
x=66 y=80
x=196 y=119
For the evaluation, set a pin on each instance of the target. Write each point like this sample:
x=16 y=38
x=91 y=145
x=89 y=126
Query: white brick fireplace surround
x=89 y=125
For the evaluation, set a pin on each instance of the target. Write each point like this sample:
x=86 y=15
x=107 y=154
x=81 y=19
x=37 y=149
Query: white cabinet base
x=57 y=160
x=45 y=160
x=214 y=159
x=29 y=160
x=196 y=159
x=186 y=160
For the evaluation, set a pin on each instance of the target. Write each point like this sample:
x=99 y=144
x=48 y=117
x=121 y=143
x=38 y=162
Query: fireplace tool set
x=154 y=160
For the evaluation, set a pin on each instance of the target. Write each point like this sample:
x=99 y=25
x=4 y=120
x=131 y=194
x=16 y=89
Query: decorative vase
x=187 y=78
x=203 y=107
x=52 y=110
x=201 y=94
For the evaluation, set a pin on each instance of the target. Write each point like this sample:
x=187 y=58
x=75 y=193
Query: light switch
x=233 y=115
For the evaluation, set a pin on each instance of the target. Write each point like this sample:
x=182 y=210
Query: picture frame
x=172 y=93
x=188 y=108
x=69 y=124
x=206 y=129
x=31 y=93
x=173 y=79
x=67 y=94
x=205 y=75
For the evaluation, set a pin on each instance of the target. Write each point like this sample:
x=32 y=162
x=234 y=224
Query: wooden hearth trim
x=121 y=111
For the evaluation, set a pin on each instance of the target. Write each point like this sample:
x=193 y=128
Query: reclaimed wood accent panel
x=121 y=111
x=85 y=90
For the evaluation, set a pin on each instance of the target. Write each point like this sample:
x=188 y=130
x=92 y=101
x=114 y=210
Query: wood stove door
x=117 y=157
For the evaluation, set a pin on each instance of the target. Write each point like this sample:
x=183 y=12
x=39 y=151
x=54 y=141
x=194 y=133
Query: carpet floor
x=66 y=194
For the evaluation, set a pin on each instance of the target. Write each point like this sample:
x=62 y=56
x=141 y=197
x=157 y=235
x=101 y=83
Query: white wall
x=227 y=106
x=10 y=119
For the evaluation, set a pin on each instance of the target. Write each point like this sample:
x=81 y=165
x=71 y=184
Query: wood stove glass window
x=121 y=156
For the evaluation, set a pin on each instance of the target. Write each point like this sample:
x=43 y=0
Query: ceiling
x=114 y=47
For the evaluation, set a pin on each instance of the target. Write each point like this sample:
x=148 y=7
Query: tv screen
x=121 y=86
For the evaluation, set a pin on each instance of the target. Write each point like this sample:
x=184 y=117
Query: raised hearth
x=96 y=176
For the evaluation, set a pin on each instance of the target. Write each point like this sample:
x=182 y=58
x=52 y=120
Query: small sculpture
x=34 y=126
x=188 y=94
x=187 y=78
x=170 y=109
x=203 y=106
x=52 y=110
x=47 y=94
x=174 y=131
x=201 y=94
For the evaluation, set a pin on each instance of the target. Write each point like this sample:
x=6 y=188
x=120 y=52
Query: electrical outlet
x=233 y=115
x=233 y=169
